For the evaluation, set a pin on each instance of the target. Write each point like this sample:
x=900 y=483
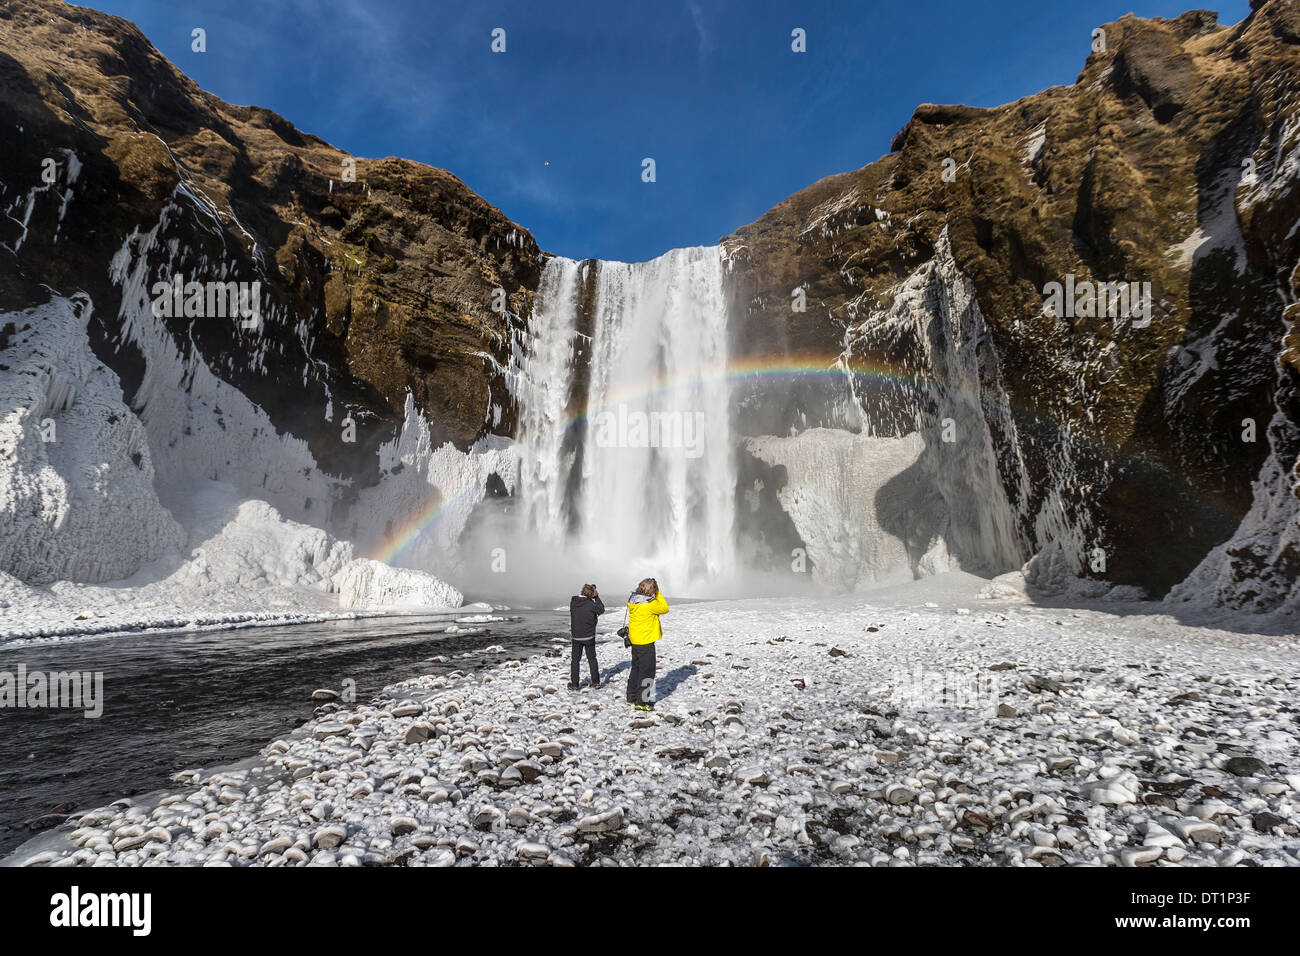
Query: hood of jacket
x=577 y=600
x=635 y=598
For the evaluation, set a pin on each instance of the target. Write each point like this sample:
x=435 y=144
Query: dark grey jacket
x=583 y=612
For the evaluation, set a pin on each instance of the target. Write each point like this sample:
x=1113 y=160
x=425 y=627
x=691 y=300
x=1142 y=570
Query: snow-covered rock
x=1255 y=570
x=77 y=500
x=373 y=585
x=246 y=564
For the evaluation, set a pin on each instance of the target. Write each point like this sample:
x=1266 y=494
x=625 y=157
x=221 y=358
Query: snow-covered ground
x=920 y=724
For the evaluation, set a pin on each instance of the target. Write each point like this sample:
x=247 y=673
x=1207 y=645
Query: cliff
x=1171 y=161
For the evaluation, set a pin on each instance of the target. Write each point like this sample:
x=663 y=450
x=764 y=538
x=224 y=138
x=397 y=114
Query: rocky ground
x=843 y=732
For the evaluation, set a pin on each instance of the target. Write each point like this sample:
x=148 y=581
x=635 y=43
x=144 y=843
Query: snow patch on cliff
x=1217 y=228
x=76 y=476
x=202 y=428
x=862 y=520
x=1034 y=144
x=199 y=426
x=1257 y=570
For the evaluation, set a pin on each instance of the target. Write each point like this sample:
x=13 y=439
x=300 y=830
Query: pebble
x=329 y=729
x=327 y=838
x=1265 y=822
x=1158 y=836
x=1246 y=767
x=489 y=818
x=602 y=822
x=1138 y=855
x=530 y=770
x=898 y=794
x=533 y=851
x=418 y=733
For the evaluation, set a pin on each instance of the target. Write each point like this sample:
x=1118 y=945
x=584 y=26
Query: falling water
x=626 y=458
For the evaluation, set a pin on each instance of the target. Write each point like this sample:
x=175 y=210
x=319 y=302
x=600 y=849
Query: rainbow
x=419 y=522
x=737 y=371
x=637 y=390
x=749 y=369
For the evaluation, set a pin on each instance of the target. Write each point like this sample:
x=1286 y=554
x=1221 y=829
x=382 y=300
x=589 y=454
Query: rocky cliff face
x=375 y=281
x=1172 y=161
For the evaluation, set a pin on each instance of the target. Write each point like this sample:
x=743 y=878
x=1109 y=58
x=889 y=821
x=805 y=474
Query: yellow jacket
x=643 y=619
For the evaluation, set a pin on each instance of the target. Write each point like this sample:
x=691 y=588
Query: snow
x=1280 y=168
x=838 y=486
x=1249 y=571
x=374 y=585
x=1034 y=143
x=190 y=508
x=81 y=505
x=955 y=402
x=199 y=426
x=830 y=218
x=244 y=564
x=1217 y=229
x=88 y=545
x=880 y=729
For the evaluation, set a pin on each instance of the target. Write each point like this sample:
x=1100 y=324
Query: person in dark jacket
x=584 y=608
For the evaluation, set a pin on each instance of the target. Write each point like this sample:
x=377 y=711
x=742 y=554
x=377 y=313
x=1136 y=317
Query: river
x=173 y=700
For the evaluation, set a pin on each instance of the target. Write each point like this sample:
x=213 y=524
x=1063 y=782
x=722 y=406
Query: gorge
x=863 y=386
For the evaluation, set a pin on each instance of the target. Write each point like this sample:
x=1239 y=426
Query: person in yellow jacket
x=645 y=605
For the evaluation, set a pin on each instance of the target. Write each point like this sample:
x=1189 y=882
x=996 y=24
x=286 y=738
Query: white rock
x=602 y=822
x=1136 y=855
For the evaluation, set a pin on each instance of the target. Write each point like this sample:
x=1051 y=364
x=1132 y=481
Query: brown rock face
x=1135 y=173
x=374 y=285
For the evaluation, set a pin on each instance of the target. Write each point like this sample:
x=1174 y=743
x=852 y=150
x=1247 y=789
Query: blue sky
x=710 y=89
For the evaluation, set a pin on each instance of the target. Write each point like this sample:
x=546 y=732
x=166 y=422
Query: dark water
x=207 y=698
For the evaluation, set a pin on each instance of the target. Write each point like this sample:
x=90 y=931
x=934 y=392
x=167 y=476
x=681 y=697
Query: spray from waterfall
x=626 y=459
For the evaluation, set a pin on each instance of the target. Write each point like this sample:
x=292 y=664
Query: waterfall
x=627 y=466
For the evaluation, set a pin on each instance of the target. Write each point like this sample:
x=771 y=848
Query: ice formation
x=77 y=494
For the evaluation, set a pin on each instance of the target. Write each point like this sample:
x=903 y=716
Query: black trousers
x=641 y=679
x=590 y=647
